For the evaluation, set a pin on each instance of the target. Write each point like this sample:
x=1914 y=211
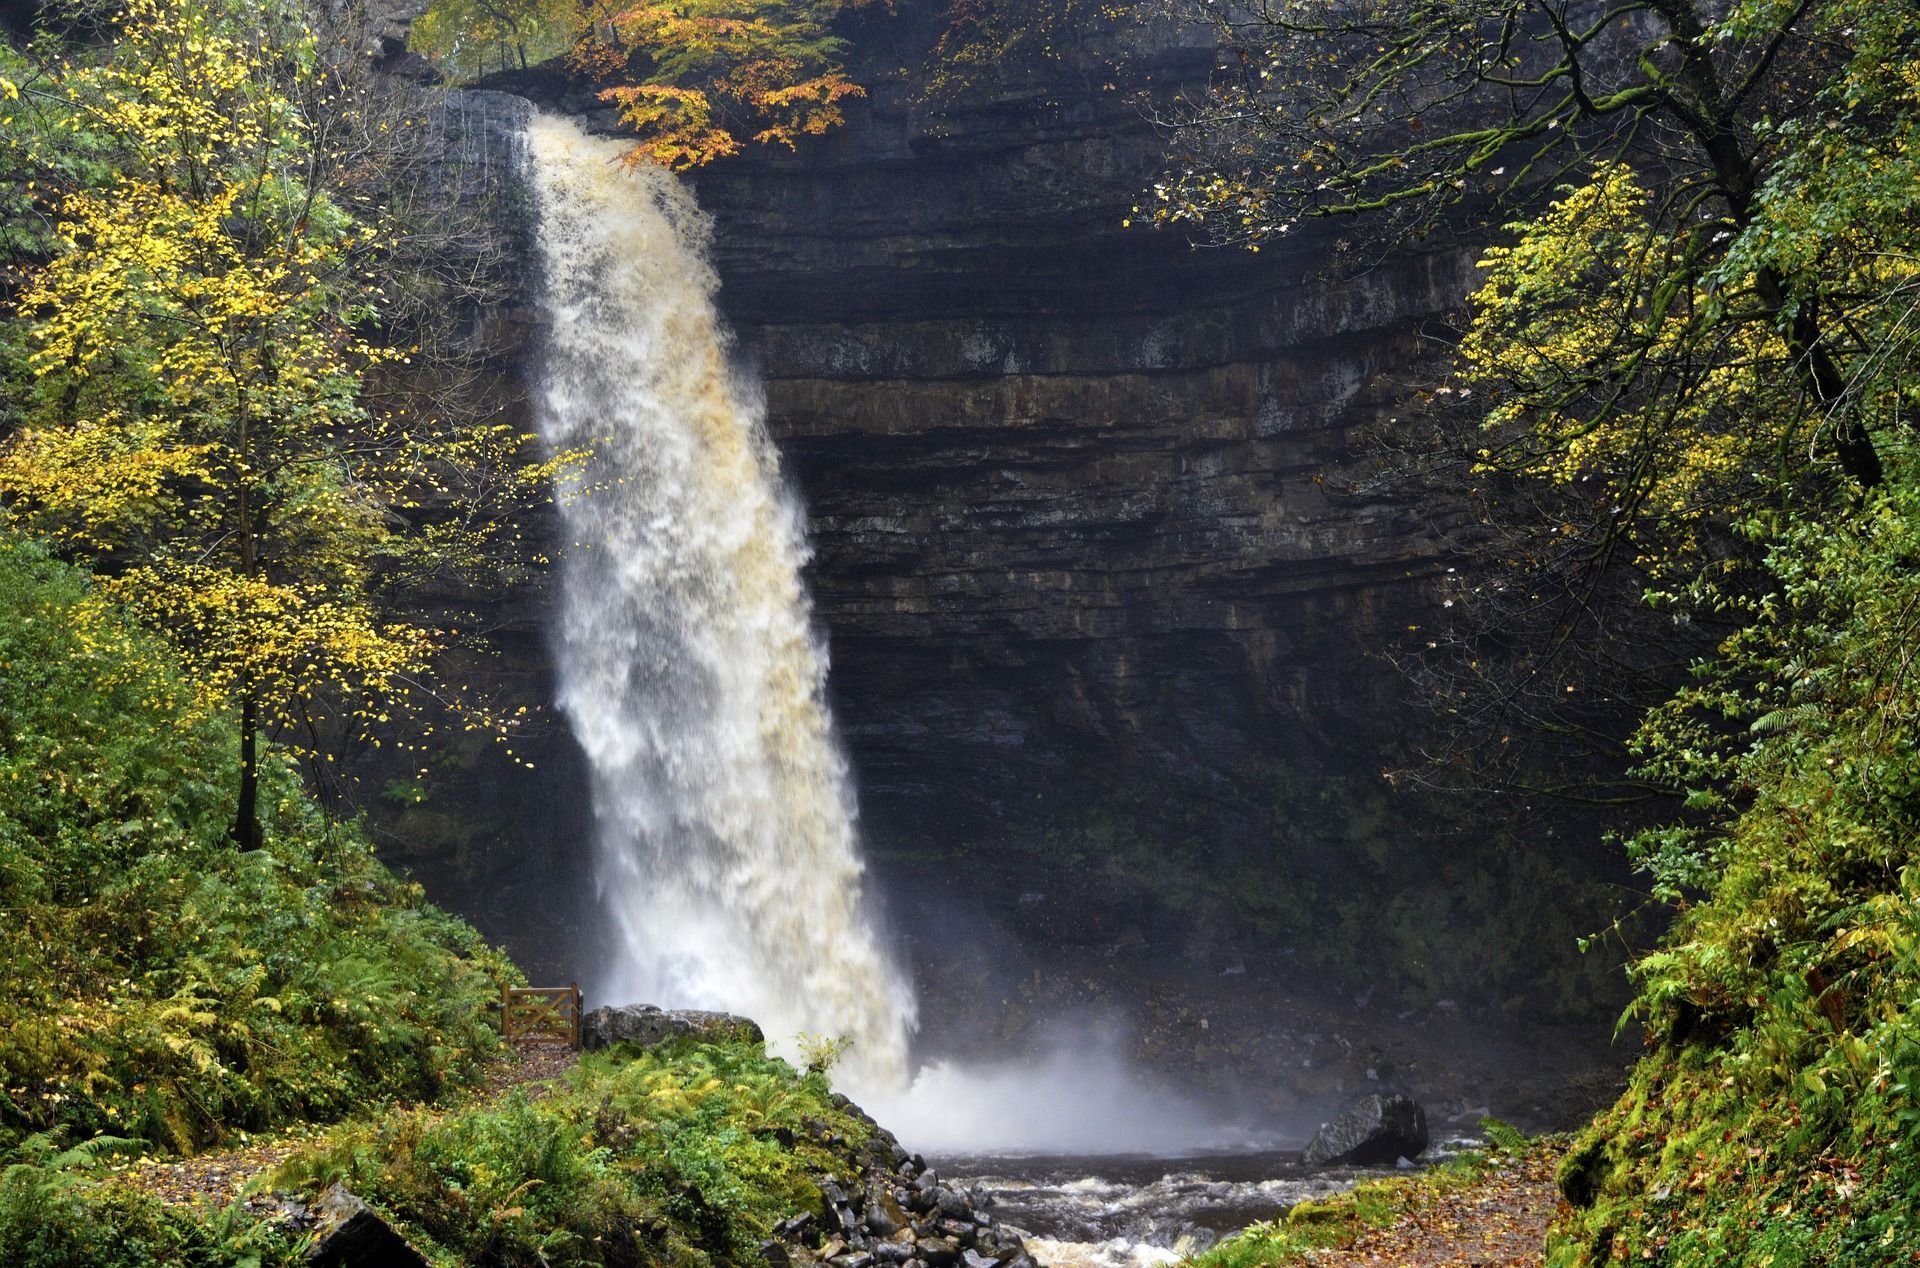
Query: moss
x=1337 y=1222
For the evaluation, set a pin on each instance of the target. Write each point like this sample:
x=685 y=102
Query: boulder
x=1377 y=1129
x=647 y=1026
x=347 y=1233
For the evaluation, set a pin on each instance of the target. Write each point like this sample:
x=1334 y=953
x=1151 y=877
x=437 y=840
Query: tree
x=702 y=78
x=466 y=35
x=199 y=340
x=1681 y=121
x=1687 y=320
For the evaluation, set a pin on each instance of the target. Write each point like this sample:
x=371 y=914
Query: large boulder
x=647 y=1026
x=1377 y=1129
x=347 y=1233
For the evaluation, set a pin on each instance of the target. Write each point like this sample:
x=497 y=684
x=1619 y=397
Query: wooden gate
x=540 y=1014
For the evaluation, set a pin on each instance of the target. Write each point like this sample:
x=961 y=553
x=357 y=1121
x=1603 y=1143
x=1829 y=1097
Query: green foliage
x=685 y=1154
x=472 y=37
x=1779 y=1114
x=154 y=983
x=56 y=1210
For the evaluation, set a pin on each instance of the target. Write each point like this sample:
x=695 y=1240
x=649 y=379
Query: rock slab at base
x=1376 y=1129
x=348 y=1234
x=647 y=1026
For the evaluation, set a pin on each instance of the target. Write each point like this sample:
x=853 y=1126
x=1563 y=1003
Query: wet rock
x=1377 y=1129
x=647 y=1026
x=883 y=1213
x=939 y=1252
x=348 y=1234
x=801 y=1230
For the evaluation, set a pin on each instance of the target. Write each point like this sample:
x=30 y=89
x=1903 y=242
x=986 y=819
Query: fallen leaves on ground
x=1499 y=1221
x=219 y=1178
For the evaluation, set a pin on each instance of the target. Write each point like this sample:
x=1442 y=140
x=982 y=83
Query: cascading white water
x=689 y=668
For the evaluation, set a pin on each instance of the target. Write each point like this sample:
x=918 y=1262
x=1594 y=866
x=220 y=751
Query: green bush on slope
x=54 y=1215
x=1776 y=1119
x=154 y=982
x=682 y=1155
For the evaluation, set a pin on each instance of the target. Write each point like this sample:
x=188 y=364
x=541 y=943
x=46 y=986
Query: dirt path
x=1498 y=1222
x=220 y=1177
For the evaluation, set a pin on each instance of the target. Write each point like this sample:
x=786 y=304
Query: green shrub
x=1776 y=1118
x=686 y=1155
x=155 y=982
x=54 y=1213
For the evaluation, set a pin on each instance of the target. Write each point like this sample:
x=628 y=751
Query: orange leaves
x=677 y=124
x=704 y=77
x=810 y=108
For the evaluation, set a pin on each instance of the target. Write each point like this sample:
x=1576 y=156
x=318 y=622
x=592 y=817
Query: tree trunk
x=1737 y=173
x=246 y=820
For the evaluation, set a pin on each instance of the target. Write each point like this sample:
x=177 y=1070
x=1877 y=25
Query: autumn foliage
x=198 y=428
x=701 y=79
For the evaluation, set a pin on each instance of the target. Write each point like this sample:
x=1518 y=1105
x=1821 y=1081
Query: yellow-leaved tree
x=198 y=342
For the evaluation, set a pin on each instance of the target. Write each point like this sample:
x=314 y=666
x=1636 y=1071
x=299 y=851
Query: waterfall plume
x=690 y=671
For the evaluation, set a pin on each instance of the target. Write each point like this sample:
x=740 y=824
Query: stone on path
x=648 y=1026
x=1376 y=1129
x=348 y=1234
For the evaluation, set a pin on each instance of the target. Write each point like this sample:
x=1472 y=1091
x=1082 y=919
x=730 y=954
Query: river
x=1136 y=1211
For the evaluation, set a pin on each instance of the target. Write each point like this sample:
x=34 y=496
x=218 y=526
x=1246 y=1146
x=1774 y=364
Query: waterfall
x=690 y=673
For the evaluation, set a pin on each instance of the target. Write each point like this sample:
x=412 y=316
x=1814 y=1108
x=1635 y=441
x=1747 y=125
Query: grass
x=1341 y=1220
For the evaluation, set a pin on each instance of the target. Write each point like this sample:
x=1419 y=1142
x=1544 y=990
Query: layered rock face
x=1109 y=572
x=1083 y=497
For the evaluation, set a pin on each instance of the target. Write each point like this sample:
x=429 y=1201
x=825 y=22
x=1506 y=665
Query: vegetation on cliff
x=194 y=343
x=1699 y=334
x=155 y=983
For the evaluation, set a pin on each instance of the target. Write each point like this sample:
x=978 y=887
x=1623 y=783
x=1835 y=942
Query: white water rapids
x=689 y=669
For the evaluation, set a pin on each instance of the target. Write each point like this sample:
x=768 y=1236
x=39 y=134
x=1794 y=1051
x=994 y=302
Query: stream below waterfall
x=1133 y=1211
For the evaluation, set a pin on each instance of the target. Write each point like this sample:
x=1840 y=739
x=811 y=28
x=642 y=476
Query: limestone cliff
x=1107 y=574
x=1082 y=495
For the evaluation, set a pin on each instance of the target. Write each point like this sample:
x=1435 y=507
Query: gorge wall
x=1106 y=600
x=1108 y=574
